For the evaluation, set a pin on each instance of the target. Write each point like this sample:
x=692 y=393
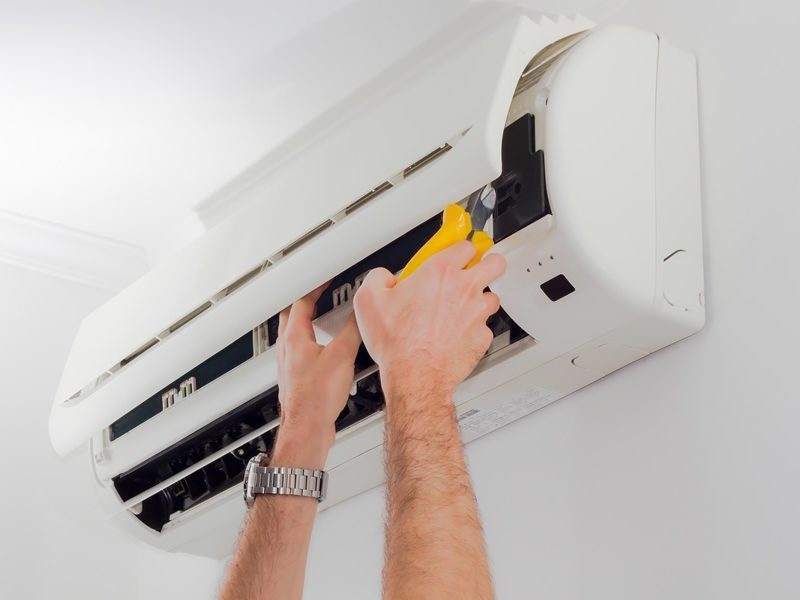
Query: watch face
x=248 y=497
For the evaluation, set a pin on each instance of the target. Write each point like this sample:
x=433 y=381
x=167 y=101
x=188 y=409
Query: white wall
x=54 y=544
x=674 y=478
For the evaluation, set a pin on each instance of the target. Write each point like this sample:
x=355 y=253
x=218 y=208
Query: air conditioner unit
x=590 y=139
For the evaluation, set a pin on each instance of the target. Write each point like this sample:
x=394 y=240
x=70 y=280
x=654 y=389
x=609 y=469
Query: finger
x=456 y=256
x=283 y=317
x=379 y=279
x=302 y=313
x=491 y=303
x=347 y=341
x=487 y=270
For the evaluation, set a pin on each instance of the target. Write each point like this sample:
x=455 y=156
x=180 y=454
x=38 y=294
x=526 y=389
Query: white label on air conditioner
x=483 y=420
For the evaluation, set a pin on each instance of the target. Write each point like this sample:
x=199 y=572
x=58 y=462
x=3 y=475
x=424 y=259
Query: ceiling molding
x=67 y=253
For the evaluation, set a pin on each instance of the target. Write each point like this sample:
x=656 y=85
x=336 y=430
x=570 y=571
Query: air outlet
x=139 y=351
x=181 y=322
x=368 y=197
x=428 y=158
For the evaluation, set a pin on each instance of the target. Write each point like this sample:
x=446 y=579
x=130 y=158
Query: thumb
x=347 y=341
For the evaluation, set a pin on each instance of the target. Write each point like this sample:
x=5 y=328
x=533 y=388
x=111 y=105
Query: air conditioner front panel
x=597 y=120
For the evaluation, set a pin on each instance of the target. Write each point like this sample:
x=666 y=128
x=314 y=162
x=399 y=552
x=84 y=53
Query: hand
x=313 y=382
x=430 y=330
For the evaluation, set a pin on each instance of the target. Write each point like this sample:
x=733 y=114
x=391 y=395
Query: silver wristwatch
x=311 y=483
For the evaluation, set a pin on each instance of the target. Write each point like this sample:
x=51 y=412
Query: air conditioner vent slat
x=229 y=289
x=428 y=158
x=368 y=197
x=139 y=351
x=305 y=238
x=181 y=322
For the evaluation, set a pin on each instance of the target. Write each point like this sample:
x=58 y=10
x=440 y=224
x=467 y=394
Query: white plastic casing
x=616 y=116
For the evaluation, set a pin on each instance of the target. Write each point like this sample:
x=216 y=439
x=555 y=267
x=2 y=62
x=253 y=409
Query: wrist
x=416 y=402
x=302 y=447
x=413 y=383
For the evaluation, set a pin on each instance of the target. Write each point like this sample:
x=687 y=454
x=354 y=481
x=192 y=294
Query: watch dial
x=246 y=478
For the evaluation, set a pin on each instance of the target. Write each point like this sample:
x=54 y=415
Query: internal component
x=214 y=477
x=210 y=369
x=521 y=189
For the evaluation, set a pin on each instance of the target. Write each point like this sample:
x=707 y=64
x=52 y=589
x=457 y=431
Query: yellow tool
x=459 y=224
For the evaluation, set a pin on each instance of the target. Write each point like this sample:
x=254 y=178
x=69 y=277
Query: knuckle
x=452 y=276
x=375 y=275
x=374 y=279
x=439 y=267
x=292 y=341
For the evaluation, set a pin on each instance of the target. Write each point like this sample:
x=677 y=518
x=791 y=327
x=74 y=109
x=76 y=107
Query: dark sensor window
x=558 y=287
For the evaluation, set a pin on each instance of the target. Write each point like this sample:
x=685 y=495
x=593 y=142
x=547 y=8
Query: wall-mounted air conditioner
x=590 y=139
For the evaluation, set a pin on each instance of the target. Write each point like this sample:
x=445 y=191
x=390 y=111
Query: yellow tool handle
x=482 y=242
x=456 y=226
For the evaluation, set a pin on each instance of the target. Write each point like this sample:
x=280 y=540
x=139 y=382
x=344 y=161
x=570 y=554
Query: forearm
x=270 y=559
x=434 y=545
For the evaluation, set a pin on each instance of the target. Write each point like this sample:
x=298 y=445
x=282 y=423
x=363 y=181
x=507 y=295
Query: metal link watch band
x=291 y=481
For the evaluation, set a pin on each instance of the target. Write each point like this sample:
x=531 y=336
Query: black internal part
x=367 y=400
x=225 y=360
x=500 y=322
x=209 y=480
x=226 y=471
x=521 y=188
x=393 y=256
x=272 y=330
